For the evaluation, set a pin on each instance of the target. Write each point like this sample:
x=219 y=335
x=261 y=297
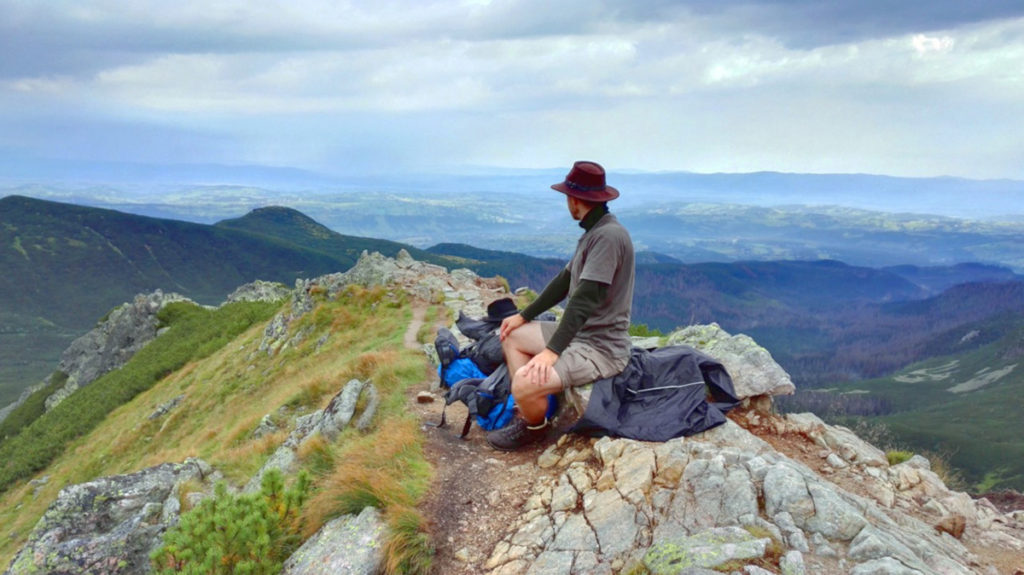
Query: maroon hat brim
x=607 y=194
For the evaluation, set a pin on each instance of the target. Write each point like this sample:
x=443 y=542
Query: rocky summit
x=763 y=493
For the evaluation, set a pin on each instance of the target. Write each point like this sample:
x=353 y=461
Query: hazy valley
x=864 y=220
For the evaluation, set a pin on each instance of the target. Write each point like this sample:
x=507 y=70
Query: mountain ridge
x=859 y=219
x=828 y=323
x=761 y=492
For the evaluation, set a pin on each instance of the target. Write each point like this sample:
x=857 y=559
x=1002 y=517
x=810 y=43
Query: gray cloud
x=79 y=39
x=813 y=23
x=724 y=85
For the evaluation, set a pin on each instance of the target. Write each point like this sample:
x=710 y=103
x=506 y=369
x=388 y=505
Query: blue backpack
x=458 y=370
x=488 y=396
x=453 y=365
x=488 y=400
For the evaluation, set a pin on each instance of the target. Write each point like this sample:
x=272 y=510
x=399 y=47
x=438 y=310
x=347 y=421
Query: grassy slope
x=226 y=395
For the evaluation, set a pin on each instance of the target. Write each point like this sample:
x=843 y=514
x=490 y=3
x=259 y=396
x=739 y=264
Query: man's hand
x=510 y=324
x=540 y=369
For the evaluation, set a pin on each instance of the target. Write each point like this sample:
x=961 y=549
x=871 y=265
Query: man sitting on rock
x=591 y=341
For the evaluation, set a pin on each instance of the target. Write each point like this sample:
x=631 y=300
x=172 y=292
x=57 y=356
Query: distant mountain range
x=161 y=184
x=863 y=220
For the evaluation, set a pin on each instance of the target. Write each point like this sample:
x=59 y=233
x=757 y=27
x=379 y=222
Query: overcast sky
x=868 y=86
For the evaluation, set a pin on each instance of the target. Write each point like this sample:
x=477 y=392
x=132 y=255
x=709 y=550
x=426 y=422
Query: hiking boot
x=517 y=434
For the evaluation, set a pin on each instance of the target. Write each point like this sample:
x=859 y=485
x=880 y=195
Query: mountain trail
x=477 y=492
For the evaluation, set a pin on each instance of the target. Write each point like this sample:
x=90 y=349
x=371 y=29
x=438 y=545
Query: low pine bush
x=32 y=408
x=642 y=330
x=237 y=534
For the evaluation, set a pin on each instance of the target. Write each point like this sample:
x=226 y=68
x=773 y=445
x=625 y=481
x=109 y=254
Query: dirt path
x=477 y=491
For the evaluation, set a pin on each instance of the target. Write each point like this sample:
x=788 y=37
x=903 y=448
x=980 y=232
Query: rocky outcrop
x=727 y=496
x=754 y=372
x=110 y=525
x=108 y=346
x=126 y=330
x=461 y=290
x=120 y=335
x=327 y=422
x=260 y=290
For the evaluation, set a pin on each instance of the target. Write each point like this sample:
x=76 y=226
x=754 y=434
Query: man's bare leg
x=521 y=345
x=531 y=397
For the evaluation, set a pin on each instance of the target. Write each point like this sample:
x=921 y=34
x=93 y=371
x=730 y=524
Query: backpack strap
x=444 y=422
x=466 y=426
x=461 y=390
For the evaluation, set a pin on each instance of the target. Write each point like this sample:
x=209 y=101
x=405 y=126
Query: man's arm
x=555 y=292
x=581 y=305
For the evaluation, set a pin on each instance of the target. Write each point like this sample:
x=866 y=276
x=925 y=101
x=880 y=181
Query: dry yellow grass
x=229 y=392
x=382 y=468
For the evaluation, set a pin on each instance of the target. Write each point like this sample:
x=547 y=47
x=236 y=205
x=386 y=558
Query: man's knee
x=523 y=388
x=527 y=339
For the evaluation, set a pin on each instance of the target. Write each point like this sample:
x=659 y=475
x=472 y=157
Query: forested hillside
x=961 y=404
x=66 y=265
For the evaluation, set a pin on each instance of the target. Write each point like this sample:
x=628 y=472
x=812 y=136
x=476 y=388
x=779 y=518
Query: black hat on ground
x=499 y=309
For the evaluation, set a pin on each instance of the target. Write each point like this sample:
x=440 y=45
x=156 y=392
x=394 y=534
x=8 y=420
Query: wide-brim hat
x=586 y=181
x=499 y=309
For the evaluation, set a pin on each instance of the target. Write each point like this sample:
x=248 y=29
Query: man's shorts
x=581 y=364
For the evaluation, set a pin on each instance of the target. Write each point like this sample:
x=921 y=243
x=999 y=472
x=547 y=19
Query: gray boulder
x=260 y=290
x=751 y=366
x=110 y=525
x=349 y=544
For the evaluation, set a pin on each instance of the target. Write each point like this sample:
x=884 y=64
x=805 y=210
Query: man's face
x=576 y=208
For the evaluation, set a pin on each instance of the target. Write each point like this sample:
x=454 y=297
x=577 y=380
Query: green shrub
x=249 y=533
x=641 y=330
x=32 y=408
x=897 y=456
